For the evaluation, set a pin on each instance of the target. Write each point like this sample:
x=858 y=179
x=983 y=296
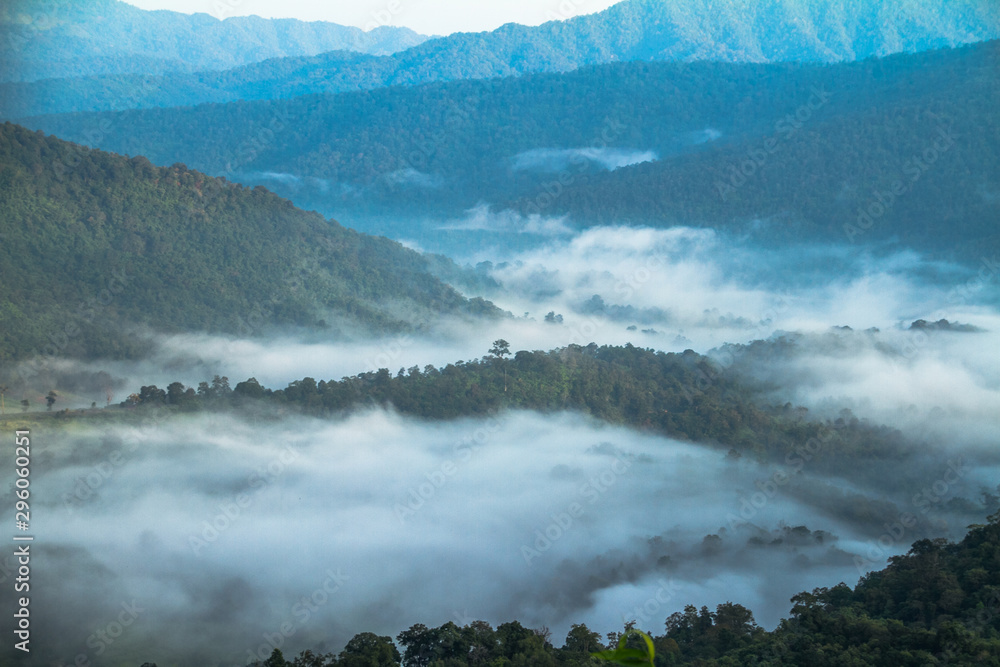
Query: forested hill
x=683 y=396
x=94 y=243
x=634 y=30
x=907 y=152
x=42 y=39
x=832 y=137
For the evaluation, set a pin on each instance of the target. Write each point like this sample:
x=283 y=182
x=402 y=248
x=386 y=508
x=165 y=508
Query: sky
x=430 y=17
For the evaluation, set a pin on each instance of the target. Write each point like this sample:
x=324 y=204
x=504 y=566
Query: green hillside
x=96 y=247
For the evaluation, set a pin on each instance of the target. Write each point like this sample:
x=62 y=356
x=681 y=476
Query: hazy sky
x=435 y=17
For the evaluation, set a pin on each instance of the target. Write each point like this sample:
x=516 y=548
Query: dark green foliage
x=892 y=155
x=369 y=650
x=684 y=396
x=96 y=244
x=860 y=128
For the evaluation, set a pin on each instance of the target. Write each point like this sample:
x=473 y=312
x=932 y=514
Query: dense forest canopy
x=685 y=396
x=98 y=247
x=901 y=149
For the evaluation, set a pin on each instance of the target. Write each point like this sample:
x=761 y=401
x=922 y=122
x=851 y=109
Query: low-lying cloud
x=483 y=218
x=554 y=160
x=223 y=531
x=211 y=530
x=703 y=136
x=671 y=289
x=414 y=178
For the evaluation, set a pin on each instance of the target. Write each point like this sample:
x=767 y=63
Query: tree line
x=937 y=605
x=681 y=395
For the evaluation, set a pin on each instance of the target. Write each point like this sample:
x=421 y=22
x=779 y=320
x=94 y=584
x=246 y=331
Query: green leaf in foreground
x=629 y=656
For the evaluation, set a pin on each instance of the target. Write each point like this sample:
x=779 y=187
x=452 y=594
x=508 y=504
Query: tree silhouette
x=501 y=349
x=50 y=399
x=25 y=404
x=3 y=393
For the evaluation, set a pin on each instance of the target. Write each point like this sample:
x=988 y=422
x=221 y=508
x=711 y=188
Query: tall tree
x=369 y=650
x=501 y=349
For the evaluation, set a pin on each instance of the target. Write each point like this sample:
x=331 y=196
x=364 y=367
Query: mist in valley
x=235 y=534
x=805 y=219
x=667 y=289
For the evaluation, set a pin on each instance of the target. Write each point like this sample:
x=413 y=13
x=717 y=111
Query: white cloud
x=482 y=218
x=553 y=160
x=217 y=527
x=411 y=177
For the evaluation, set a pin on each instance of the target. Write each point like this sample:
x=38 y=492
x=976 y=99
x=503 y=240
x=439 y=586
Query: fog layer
x=222 y=532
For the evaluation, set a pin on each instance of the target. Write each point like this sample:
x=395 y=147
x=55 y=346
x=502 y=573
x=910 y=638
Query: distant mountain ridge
x=635 y=30
x=698 y=130
x=42 y=39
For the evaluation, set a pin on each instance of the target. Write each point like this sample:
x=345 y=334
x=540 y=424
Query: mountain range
x=801 y=147
x=42 y=39
x=633 y=30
